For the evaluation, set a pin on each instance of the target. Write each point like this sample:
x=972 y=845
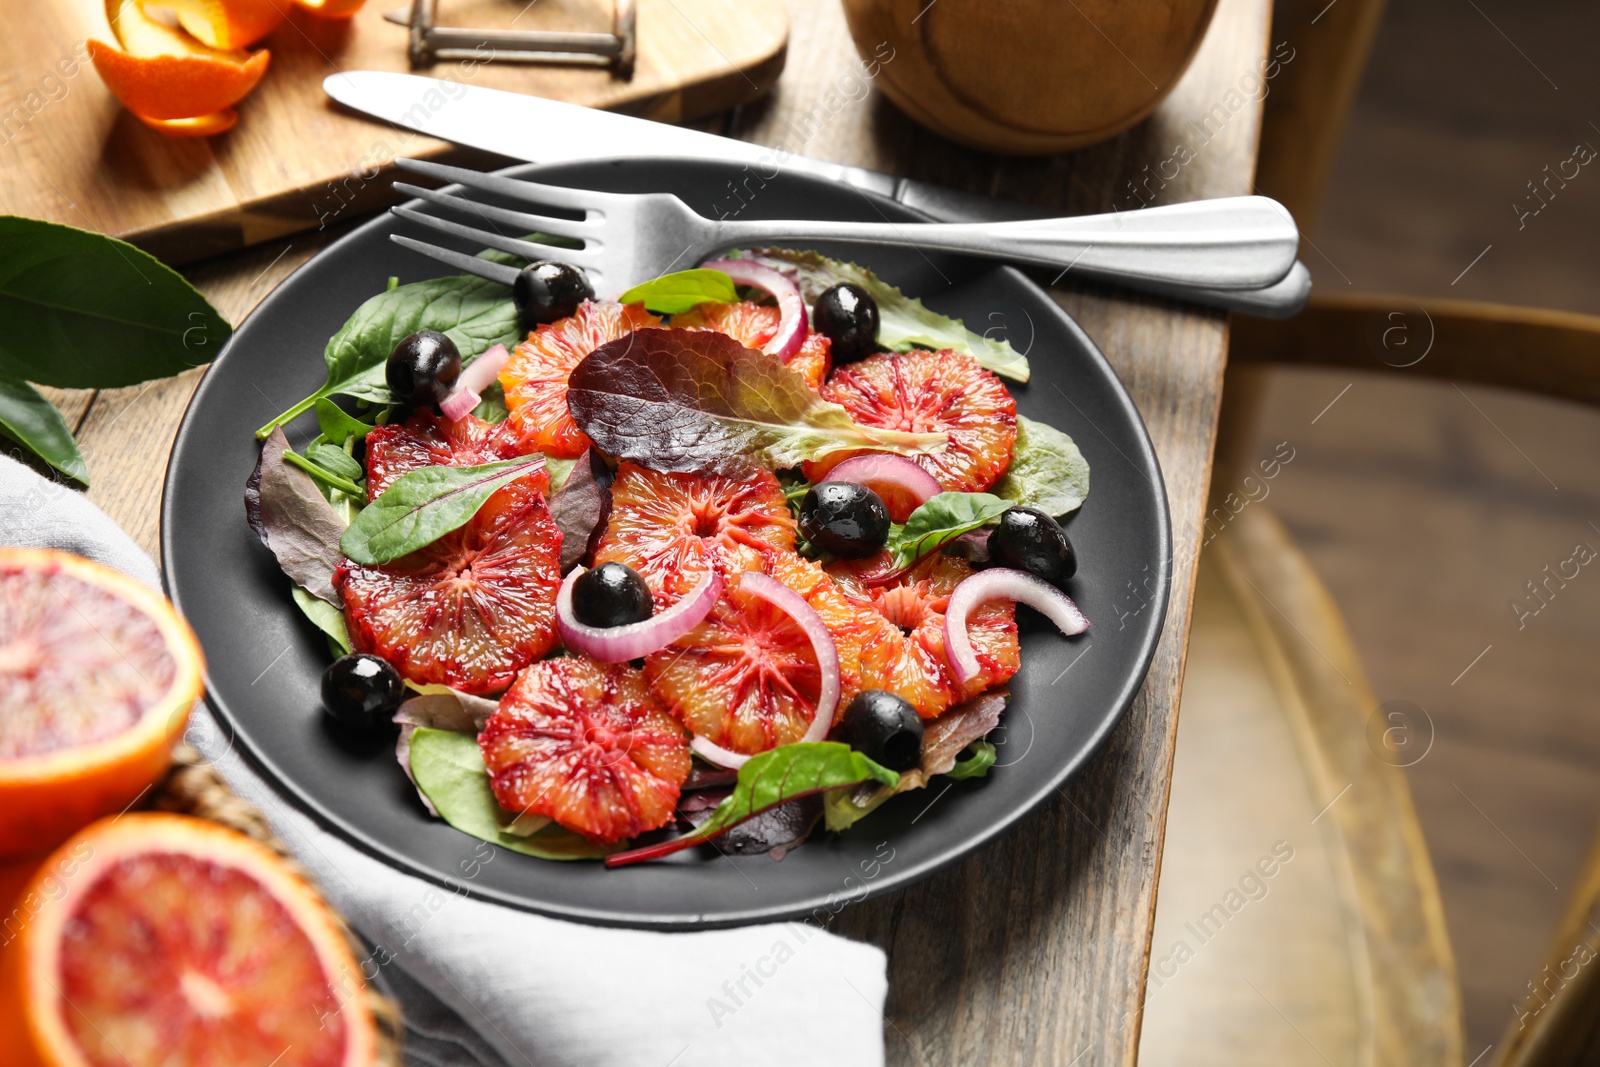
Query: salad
x=735 y=556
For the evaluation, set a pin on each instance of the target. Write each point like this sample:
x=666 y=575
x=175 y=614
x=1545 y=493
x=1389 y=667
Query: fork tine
x=520 y=220
x=514 y=188
x=516 y=246
x=483 y=268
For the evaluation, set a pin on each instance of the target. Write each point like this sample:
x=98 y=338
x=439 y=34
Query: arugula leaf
x=34 y=423
x=976 y=765
x=325 y=617
x=421 y=506
x=338 y=425
x=902 y=320
x=772 y=778
x=448 y=769
x=81 y=310
x=941 y=519
x=474 y=312
x=673 y=294
x=697 y=400
x=1047 y=470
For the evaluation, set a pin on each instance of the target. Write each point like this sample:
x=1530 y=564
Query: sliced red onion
x=791 y=307
x=475 y=378
x=618 y=644
x=1002 y=583
x=793 y=605
x=889 y=476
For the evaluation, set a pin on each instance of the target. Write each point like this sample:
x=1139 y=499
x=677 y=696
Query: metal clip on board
x=431 y=42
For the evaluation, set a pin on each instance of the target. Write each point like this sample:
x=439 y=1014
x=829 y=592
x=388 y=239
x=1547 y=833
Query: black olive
x=546 y=291
x=848 y=317
x=361 y=691
x=883 y=727
x=423 y=368
x=1029 y=540
x=611 y=594
x=844 y=518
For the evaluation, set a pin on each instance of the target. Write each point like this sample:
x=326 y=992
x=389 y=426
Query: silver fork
x=1235 y=243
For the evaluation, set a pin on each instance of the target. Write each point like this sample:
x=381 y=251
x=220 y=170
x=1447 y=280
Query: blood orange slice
x=908 y=656
x=162 y=939
x=97 y=676
x=671 y=527
x=535 y=377
x=470 y=610
x=426 y=440
x=586 y=744
x=931 y=392
x=753 y=325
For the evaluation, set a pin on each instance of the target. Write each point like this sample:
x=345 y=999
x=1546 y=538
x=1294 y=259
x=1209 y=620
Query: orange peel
x=332 y=9
x=228 y=24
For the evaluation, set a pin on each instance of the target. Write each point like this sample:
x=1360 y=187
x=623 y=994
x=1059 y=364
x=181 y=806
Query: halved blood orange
x=753 y=325
x=585 y=744
x=426 y=440
x=470 y=610
x=671 y=527
x=908 y=657
x=535 y=377
x=97 y=676
x=931 y=392
x=163 y=939
x=746 y=679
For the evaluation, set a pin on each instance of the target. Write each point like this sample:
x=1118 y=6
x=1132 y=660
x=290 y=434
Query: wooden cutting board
x=70 y=153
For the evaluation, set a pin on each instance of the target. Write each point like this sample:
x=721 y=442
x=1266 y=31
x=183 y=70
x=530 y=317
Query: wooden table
x=1034 y=950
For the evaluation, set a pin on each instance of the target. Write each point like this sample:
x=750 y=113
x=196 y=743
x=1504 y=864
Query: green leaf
x=335 y=461
x=421 y=506
x=325 y=617
x=474 y=312
x=902 y=320
x=448 y=768
x=673 y=294
x=81 y=310
x=560 y=470
x=339 y=425
x=1047 y=470
x=843 y=808
x=492 y=405
x=942 y=519
x=34 y=423
x=323 y=475
x=976 y=765
x=769 y=779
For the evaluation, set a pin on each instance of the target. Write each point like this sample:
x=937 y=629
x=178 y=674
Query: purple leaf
x=294 y=520
x=581 y=507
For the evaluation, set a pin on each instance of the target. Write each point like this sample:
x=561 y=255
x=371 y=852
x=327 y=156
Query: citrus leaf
x=448 y=769
x=34 y=423
x=81 y=310
x=421 y=506
x=941 y=519
x=775 y=777
x=697 y=400
x=673 y=294
x=1047 y=471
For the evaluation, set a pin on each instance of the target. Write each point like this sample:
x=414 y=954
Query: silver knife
x=551 y=131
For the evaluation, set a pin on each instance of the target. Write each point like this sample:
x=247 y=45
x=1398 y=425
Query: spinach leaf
x=294 y=520
x=337 y=424
x=448 y=769
x=697 y=400
x=474 y=312
x=1047 y=470
x=325 y=617
x=673 y=294
x=902 y=320
x=81 y=310
x=941 y=519
x=421 y=506
x=772 y=778
x=976 y=765
x=34 y=423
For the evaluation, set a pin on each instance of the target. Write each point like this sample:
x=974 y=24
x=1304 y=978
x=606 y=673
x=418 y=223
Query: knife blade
x=551 y=131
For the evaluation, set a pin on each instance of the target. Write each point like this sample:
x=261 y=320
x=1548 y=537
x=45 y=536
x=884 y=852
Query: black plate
x=265 y=659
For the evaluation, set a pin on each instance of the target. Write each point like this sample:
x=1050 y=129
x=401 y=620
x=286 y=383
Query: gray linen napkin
x=487 y=985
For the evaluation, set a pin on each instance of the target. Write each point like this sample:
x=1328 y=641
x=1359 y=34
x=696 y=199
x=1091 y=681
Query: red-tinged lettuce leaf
x=697 y=400
x=775 y=831
x=294 y=520
x=438 y=709
x=581 y=507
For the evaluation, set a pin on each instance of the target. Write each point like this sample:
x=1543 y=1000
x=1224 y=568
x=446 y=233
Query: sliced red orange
x=426 y=440
x=535 y=377
x=97 y=676
x=753 y=325
x=162 y=939
x=586 y=744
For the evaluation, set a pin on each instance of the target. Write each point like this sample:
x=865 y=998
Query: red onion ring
x=794 y=605
x=901 y=476
x=1002 y=583
x=618 y=644
x=475 y=378
x=791 y=306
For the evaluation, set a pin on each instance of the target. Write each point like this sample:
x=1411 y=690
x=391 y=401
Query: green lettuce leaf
x=325 y=617
x=423 y=505
x=673 y=294
x=1047 y=471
